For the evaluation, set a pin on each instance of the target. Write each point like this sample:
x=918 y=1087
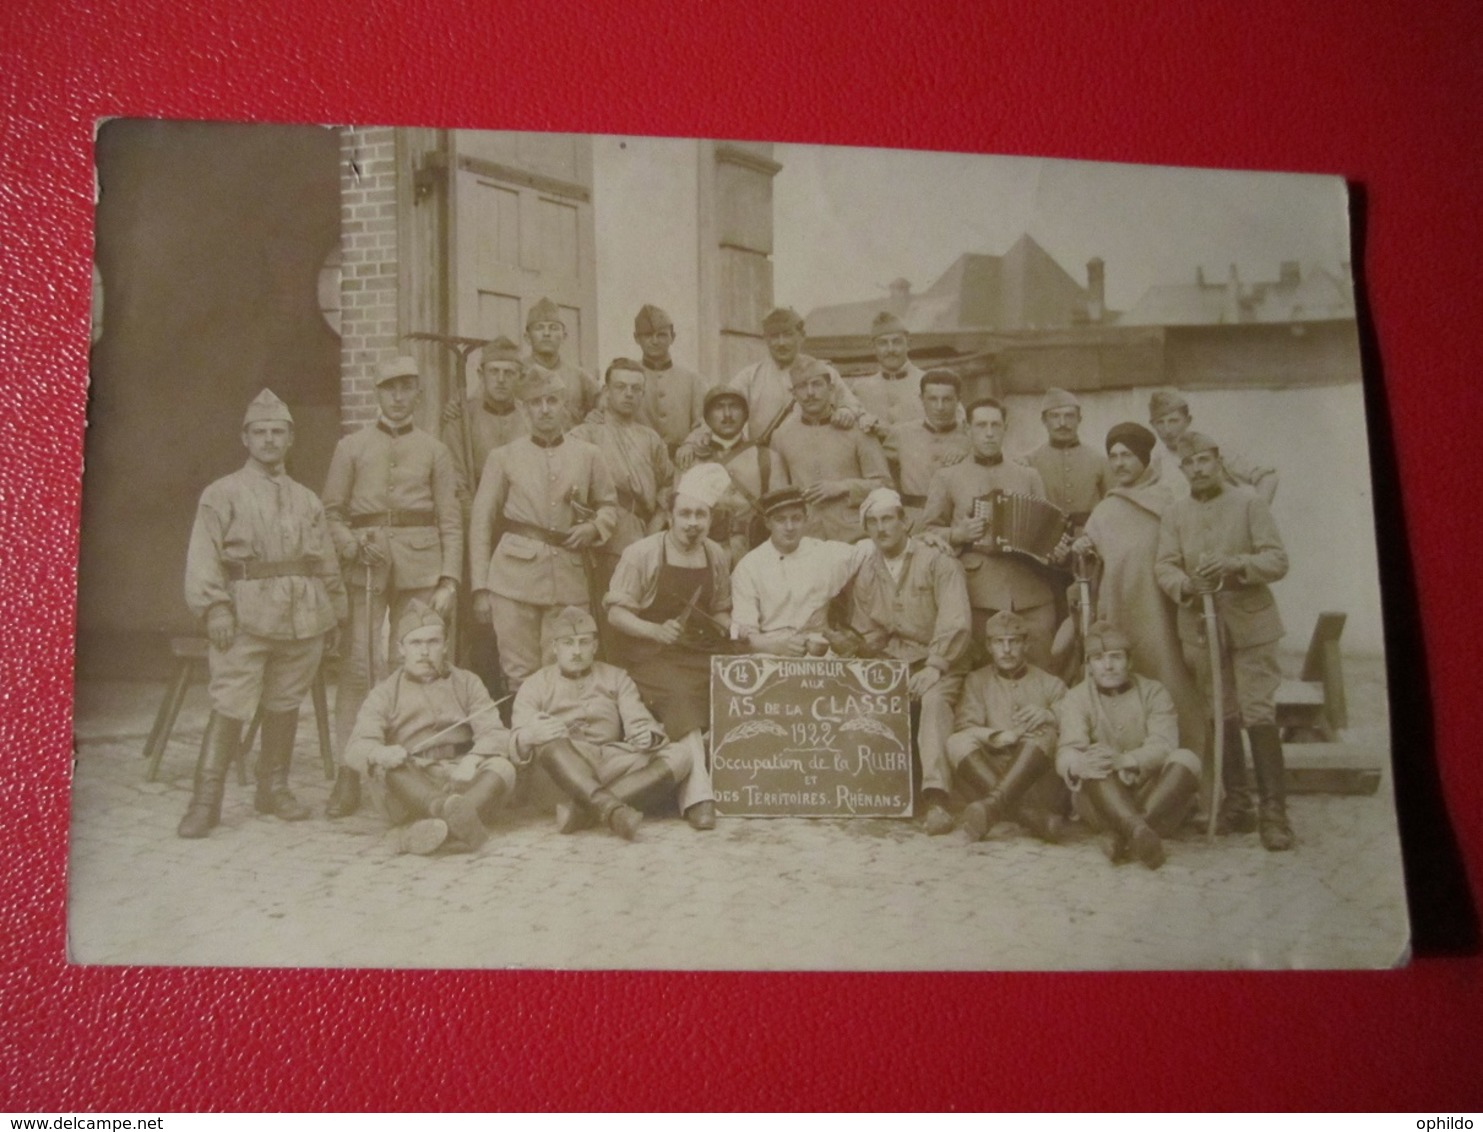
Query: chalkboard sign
x=810 y=737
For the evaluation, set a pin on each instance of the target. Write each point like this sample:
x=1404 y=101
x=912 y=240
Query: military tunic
x=919 y=452
x=405 y=712
x=768 y=389
x=816 y=450
x=673 y=402
x=1234 y=522
x=892 y=399
x=1138 y=721
x=481 y=427
x=995 y=581
x=531 y=495
x=600 y=709
x=245 y=521
x=986 y=708
x=395 y=487
x=922 y=617
x=639 y=466
x=1075 y=477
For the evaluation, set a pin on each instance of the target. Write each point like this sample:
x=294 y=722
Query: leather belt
x=257 y=570
x=914 y=500
x=394 y=519
x=530 y=530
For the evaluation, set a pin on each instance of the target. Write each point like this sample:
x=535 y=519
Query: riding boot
x=461 y=810
x=1237 y=815
x=345 y=795
x=646 y=788
x=976 y=776
x=1115 y=804
x=276 y=754
x=426 y=832
x=570 y=772
x=1169 y=802
x=1002 y=801
x=218 y=748
x=1266 y=757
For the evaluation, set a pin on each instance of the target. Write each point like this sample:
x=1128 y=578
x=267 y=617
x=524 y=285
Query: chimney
x=1290 y=274
x=900 y=299
x=1232 y=311
x=1096 y=289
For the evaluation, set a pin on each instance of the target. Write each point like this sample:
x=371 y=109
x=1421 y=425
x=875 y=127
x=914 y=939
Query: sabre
x=432 y=741
x=1217 y=695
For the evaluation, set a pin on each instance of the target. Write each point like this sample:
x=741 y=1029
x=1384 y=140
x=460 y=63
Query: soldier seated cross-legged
x=1004 y=739
x=589 y=730
x=1119 y=752
x=430 y=740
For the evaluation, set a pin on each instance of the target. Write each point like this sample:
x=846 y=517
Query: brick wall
x=368 y=241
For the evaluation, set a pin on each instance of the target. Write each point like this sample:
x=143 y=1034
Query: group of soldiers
x=583 y=549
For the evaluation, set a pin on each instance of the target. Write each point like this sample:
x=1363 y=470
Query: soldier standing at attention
x=1075 y=475
x=391 y=496
x=891 y=393
x=262 y=573
x=546 y=334
x=1221 y=541
x=546 y=501
x=673 y=397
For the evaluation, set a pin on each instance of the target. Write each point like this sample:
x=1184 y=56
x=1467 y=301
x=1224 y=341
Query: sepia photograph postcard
x=519 y=550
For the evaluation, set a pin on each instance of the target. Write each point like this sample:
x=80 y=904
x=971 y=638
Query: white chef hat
x=704 y=483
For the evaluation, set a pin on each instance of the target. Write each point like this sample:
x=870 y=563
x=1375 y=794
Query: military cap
x=266 y=406
x=1192 y=442
x=544 y=311
x=704 y=483
x=419 y=615
x=781 y=498
x=1163 y=401
x=782 y=318
x=651 y=319
x=881 y=500
x=573 y=621
x=540 y=382
x=716 y=393
x=500 y=350
x=1057 y=399
x=1104 y=636
x=1135 y=437
x=1006 y=624
x=392 y=368
x=886 y=323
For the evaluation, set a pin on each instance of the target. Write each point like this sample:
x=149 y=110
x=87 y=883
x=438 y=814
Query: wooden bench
x=190 y=661
x=1313 y=708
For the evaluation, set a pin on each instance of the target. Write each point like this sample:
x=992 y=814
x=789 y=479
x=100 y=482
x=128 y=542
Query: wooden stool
x=190 y=655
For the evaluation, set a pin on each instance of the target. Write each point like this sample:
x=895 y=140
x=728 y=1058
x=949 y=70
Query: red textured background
x=1384 y=93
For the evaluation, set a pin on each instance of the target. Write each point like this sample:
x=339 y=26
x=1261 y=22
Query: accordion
x=1020 y=524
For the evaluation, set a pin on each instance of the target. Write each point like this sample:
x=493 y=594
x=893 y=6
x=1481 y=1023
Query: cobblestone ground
x=794 y=893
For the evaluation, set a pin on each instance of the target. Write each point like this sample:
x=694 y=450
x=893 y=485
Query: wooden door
x=522 y=228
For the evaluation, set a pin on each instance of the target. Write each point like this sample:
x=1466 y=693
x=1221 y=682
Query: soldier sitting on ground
x=1119 y=752
x=429 y=738
x=589 y=730
x=1004 y=739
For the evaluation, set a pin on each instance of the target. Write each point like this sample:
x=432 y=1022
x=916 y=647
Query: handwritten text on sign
x=810 y=737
